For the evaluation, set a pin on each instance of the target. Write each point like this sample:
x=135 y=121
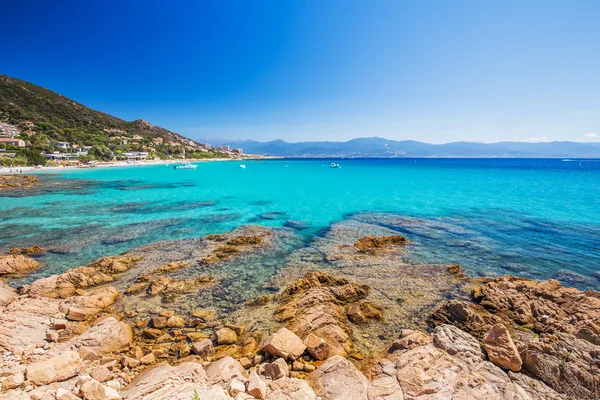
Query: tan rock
x=129 y=362
x=385 y=387
x=176 y=322
x=59 y=324
x=13 y=378
x=458 y=343
x=7 y=294
x=277 y=369
x=284 y=343
x=76 y=314
x=158 y=322
x=290 y=389
x=317 y=347
x=17 y=264
x=338 y=379
x=364 y=311
x=148 y=359
x=221 y=372
x=257 y=387
x=203 y=348
x=101 y=373
x=410 y=338
x=55 y=369
x=107 y=336
x=226 y=336
x=501 y=349
x=94 y=390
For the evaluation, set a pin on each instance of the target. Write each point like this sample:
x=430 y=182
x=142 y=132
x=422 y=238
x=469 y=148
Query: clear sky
x=435 y=71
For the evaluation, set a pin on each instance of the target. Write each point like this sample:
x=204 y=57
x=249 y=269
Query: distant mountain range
x=378 y=147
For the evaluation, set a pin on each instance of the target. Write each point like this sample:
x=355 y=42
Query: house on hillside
x=13 y=142
x=63 y=145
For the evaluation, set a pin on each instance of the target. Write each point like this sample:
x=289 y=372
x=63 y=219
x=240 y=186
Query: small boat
x=185 y=166
x=334 y=165
x=242 y=166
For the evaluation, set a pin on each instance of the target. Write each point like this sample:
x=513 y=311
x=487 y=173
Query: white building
x=13 y=142
x=136 y=155
x=63 y=145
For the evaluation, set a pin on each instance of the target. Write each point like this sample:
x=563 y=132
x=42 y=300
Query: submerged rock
x=27 y=251
x=372 y=243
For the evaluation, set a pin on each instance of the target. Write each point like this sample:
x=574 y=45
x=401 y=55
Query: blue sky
x=435 y=71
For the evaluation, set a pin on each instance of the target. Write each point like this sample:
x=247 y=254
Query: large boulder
x=14 y=264
x=338 y=379
x=56 y=369
x=284 y=343
x=501 y=350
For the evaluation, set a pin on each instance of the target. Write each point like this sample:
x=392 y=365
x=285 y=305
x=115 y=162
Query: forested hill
x=43 y=118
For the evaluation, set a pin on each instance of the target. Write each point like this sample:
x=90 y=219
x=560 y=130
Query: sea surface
x=538 y=218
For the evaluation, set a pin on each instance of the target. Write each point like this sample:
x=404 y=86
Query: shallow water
x=535 y=218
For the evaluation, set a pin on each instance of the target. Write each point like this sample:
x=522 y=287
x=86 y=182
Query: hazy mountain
x=378 y=147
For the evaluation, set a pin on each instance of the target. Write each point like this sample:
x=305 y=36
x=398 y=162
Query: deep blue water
x=538 y=218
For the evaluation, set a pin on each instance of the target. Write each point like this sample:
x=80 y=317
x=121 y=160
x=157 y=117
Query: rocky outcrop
x=27 y=251
x=96 y=273
x=8 y=182
x=17 y=264
x=458 y=343
x=548 y=330
x=314 y=304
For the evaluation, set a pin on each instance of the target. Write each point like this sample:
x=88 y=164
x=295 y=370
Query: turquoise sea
x=534 y=218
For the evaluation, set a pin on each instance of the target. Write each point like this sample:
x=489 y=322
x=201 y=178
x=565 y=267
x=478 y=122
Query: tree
x=32 y=157
x=101 y=152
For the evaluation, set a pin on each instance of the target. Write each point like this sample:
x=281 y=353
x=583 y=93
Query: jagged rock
x=27 y=251
x=565 y=363
x=55 y=369
x=96 y=273
x=501 y=350
x=101 y=373
x=458 y=343
x=13 y=378
x=372 y=243
x=338 y=379
x=284 y=343
x=17 y=264
x=7 y=294
x=289 y=389
x=536 y=390
x=277 y=369
x=203 y=348
x=317 y=347
x=226 y=336
x=312 y=305
x=221 y=372
x=176 y=322
x=257 y=387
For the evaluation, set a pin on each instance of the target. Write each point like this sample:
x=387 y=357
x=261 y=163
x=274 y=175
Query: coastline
x=112 y=164
x=122 y=321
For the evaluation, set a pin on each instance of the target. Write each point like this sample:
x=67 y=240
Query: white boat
x=186 y=166
x=242 y=166
x=334 y=165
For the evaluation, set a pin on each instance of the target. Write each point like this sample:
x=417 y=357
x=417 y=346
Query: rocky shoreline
x=346 y=317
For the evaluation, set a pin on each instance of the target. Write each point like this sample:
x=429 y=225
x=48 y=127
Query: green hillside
x=43 y=118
